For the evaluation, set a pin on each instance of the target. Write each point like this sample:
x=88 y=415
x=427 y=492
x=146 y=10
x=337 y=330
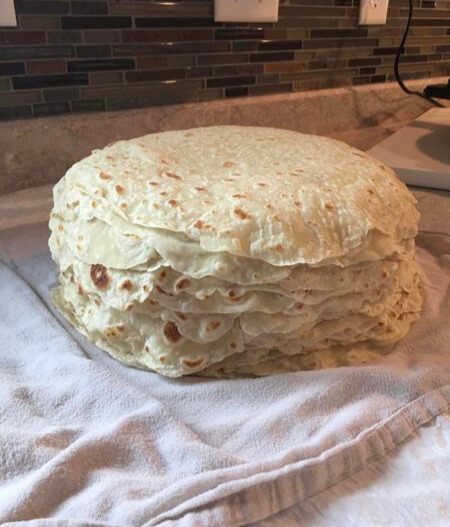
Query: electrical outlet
x=246 y=10
x=373 y=12
x=7 y=13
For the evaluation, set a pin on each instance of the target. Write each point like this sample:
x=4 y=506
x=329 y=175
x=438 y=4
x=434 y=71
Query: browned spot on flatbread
x=162 y=275
x=370 y=191
x=93 y=204
x=173 y=202
x=129 y=307
x=60 y=227
x=212 y=325
x=119 y=189
x=233 y=345
x=329 y=206
x=162 y=358
x=127 y=285
x=164 y=193
x=385 y=273
x=200 y=189
x=172 y=175
x=161 y=290
x=183 y=283
x=99 y=276
x=199 y=224
x=262 y=184
x=153 y=183
x=297 y=203
x=145 y=288
x=97 y=302
x=240 y=196
x=228 y=164
x=164 y=161
x=278 y=248
x=192 y=363
x=80 y=290
x=171 y=332
x=236 y=298
x=120 y=328
x=241 y=213
x=180 y=315
x=123 y=206
x=105 y=176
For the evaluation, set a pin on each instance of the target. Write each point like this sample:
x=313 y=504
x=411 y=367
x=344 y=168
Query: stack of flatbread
x=235 y=250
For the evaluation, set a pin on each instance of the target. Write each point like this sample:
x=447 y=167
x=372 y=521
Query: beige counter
x=34 y=152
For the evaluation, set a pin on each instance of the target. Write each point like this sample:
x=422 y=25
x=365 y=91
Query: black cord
x=397 y=60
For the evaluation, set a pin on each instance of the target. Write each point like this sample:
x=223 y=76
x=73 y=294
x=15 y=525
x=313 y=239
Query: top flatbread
x=261 y=193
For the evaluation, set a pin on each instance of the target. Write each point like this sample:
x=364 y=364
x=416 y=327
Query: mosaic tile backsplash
x=78 y=56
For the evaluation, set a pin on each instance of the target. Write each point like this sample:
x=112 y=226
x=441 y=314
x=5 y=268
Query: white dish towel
x=86 y=441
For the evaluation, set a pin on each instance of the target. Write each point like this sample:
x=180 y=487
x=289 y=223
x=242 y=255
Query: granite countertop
x=38 y=151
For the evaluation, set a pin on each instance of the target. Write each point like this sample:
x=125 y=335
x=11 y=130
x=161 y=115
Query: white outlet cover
x=7 y=14
x=373 y=12
x=246 y=10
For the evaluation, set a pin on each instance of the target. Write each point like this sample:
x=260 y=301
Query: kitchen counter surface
x=38 y=151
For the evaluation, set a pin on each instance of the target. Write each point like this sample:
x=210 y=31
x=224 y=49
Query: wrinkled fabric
x=85 y=440
x=409 y=486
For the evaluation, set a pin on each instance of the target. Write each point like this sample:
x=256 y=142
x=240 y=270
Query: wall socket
x=246 y=10
x=373 y=12
x=7 y=13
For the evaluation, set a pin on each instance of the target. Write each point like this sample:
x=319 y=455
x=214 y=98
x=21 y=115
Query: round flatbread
x=235 y=250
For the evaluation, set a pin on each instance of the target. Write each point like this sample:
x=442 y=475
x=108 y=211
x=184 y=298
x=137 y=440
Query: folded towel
x=85 y=440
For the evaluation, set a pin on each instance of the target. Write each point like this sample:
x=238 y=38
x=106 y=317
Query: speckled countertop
x=36 y=152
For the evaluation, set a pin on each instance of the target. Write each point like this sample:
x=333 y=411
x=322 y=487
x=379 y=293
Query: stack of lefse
x=168 y=288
